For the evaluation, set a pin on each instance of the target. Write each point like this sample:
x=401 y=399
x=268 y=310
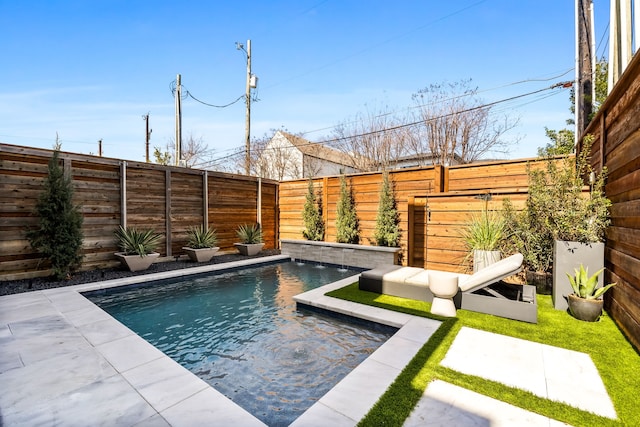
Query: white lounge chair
x=482 y=291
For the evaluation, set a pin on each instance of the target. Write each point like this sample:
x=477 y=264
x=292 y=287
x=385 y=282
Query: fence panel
x=616 y=146
x=165 y=198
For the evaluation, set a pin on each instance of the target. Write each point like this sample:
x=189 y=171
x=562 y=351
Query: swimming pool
x=241 y=332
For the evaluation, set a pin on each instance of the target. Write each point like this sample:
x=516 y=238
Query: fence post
x=123 y=194
x=205 y=200
x=167 y=213
x=410 y=230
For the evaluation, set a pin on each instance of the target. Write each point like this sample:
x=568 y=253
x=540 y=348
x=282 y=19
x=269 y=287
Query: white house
x=288 y=157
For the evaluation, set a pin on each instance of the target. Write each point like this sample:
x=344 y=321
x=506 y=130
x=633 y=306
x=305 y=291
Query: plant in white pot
x=201 y=244
x=585 y=303
x=483 y=236
x=250 y=236
x=137 y=247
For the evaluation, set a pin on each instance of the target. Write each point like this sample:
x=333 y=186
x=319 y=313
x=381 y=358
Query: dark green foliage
x=132 y=241
x=557 y=209
x=249 y=234
x=200 y=237
x=347 y=227
x=59 y=233
x=387 y=232
x=312 y=216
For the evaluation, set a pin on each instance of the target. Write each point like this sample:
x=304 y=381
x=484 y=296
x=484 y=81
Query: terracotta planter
x=585 y=309
x=249 y=248
x=137 y=262
x=200 y=255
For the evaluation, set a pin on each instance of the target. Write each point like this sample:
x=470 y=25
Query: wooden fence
x=616 y=146
x=111 y=192
x=433 y=202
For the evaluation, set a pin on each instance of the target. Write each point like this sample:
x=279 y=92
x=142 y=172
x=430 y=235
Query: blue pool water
x=241 y=332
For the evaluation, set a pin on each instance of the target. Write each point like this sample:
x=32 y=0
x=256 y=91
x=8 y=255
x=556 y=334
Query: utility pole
x=100 y=147
x=252 y=82
x=178 y=95
x=147 y=135
x=584 y=61
x=247 y=123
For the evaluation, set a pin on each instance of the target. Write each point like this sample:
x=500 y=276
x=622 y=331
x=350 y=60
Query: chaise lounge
x=482 y=291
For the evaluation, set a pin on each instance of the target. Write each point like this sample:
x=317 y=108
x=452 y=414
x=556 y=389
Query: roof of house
x=318 y=150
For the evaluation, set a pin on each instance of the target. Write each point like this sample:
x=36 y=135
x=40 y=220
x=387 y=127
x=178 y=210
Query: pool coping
x=147 y=385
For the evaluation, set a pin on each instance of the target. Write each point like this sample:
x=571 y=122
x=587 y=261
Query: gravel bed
x=8 y=287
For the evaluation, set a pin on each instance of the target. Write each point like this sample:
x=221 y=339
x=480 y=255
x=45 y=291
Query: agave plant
x=200 y=237
x=585 y=286
x=250 y=233
x=140 y=242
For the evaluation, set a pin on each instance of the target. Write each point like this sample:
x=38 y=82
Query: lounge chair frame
x=494 y=297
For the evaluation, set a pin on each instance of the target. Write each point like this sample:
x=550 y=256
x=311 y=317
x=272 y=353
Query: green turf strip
x=614 y=357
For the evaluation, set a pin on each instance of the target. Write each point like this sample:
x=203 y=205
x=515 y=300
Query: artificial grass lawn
x=614 y=357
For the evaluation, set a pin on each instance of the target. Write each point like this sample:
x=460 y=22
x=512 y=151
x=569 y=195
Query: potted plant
x=250 y=239
x=137 y=247
x=483 y=236
x=201 y=244
x=585 y=303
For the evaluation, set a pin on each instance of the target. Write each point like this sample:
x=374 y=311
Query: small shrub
x=200 y=238
x=347 y=228
x=387 y=231
x=484 y=231
x=557 y=209
x=249 y=234
x=312 y=216
x=132 y=241
x=59 y=234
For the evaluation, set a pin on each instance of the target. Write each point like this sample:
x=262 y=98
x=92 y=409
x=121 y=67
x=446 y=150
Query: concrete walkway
x=63 y=361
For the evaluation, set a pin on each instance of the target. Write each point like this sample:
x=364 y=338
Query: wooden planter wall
x=616 y=146
x=111 y=192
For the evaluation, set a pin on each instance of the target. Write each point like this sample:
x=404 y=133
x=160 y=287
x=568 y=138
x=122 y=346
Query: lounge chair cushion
x=492 y=273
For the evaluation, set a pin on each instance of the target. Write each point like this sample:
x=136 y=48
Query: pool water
x=240 y=331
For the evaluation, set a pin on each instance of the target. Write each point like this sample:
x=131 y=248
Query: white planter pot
x=249 y=248
x=137 y=262
x=200 y=255
x=482 y=259
x=567 y=256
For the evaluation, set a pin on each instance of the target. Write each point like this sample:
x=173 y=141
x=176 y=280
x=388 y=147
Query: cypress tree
x=387 y=232
x=59 y=234
x=312 y=216
x=347 y=227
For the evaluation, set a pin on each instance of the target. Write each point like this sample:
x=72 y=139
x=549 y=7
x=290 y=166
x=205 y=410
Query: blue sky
x=90 y=69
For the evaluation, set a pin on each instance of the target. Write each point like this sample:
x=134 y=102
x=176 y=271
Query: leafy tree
x=59 y=233
x=347 y=227
x=312 y=216
x=562 y=142
x=387 y=231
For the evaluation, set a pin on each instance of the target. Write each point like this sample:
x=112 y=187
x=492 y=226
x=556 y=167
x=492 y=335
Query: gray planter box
x=567 y=256
x=344 y=254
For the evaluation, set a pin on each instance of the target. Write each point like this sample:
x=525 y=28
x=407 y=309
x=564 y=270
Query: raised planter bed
x=342 y=254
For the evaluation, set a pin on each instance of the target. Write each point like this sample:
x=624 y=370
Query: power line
x=560 y=85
